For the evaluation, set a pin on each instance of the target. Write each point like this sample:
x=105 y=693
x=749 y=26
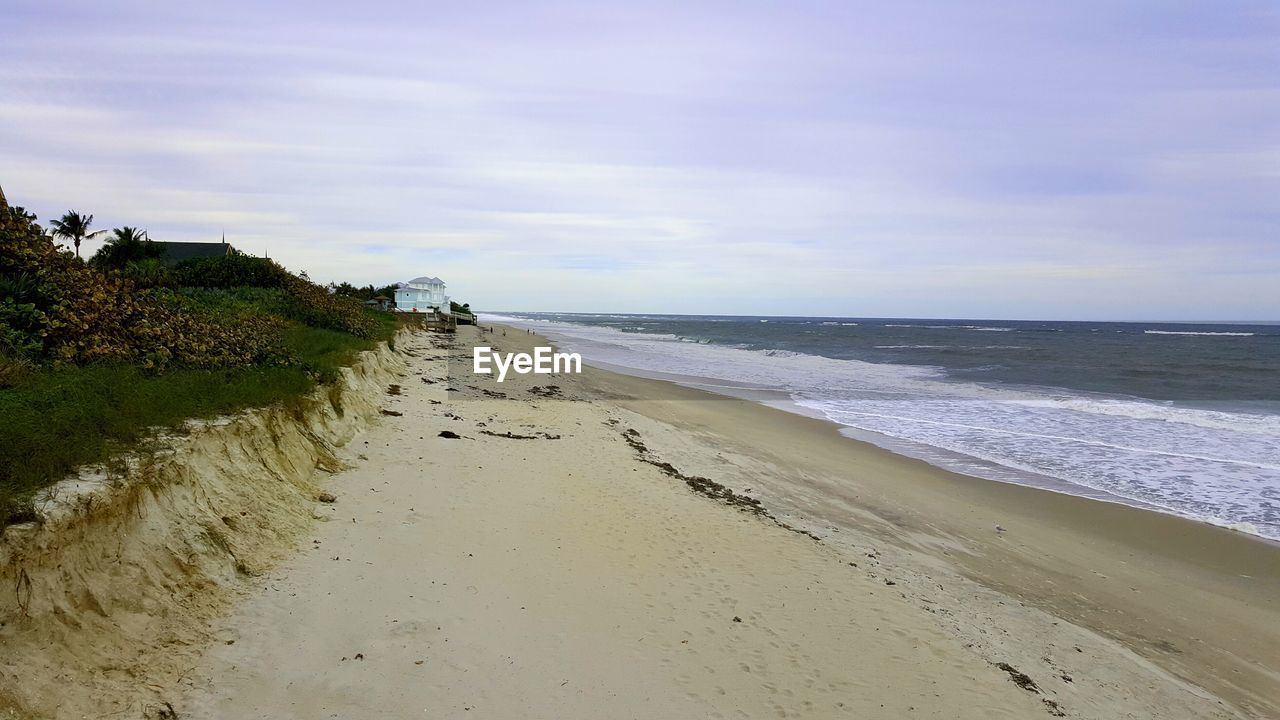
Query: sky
x=1092 y=159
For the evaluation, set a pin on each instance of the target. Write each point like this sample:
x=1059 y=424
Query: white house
x=424 y=294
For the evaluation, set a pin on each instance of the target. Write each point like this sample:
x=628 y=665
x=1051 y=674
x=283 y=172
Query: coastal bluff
x=109 y=594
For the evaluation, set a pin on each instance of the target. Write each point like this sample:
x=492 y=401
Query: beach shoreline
x=950 y=461
x=1058 y=551
x=560 y=532
x=1133 y=428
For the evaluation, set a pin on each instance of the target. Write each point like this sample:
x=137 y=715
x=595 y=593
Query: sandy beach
x=609 y=546
x=927 y=361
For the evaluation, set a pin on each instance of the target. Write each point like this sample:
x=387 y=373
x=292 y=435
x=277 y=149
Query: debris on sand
x=450 y=435
x=545 y=390
x=325 y=497
x=700 y=485
x=513 y=436
x=165 y=712
x=1019 y=678
x=392 y=413
x=393 y=389
x=1023 y=681
x=705 y=486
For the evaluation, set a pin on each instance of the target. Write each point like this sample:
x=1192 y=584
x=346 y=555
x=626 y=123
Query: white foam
x=980 y=328
x=1188 y=332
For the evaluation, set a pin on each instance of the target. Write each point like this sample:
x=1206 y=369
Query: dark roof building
x=176 y=252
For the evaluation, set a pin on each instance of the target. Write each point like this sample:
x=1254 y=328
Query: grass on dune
x=57 y=419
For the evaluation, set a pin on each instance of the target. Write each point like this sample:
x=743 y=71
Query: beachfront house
x=380 y=302
x=424 y=294
x=176 y=252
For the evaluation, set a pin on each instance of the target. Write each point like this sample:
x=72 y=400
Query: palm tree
x=127 y=234
x=74 y=227
x=126 y=245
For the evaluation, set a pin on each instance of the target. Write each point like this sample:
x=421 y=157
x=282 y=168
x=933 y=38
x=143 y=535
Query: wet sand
x=624 y=547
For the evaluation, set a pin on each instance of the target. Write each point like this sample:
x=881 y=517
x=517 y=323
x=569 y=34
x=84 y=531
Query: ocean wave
x=980 y=328
x=1228 y=480
x=950 y=347
x=1137 y=410
x=498 y=317
x=1189 y=332
x=1028 y=435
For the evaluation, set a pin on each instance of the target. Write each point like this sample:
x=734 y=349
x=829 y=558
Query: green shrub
x=80 y=315
x=231 y=271
x=303 y=300
x=314 y=306
x=13 y=370
x=148 y=273
x=21 y=329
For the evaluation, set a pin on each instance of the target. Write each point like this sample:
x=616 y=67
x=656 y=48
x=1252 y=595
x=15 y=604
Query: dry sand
x=572 y=569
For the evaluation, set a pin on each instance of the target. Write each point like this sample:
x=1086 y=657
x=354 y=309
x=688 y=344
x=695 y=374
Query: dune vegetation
x=96 y=355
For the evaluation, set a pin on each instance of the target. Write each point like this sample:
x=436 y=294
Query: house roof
x=424 y=280
x=176 y=252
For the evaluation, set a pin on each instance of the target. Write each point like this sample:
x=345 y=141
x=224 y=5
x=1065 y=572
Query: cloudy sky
x=1092 y=159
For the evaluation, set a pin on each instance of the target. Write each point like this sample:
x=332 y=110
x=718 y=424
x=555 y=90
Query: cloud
x=1093 y=159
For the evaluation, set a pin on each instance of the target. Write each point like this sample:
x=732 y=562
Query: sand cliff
x=105 y=598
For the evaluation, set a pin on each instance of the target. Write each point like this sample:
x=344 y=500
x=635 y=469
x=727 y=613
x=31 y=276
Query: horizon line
x=869 y=317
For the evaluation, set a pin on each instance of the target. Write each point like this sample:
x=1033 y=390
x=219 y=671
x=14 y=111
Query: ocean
x=1180 y=418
